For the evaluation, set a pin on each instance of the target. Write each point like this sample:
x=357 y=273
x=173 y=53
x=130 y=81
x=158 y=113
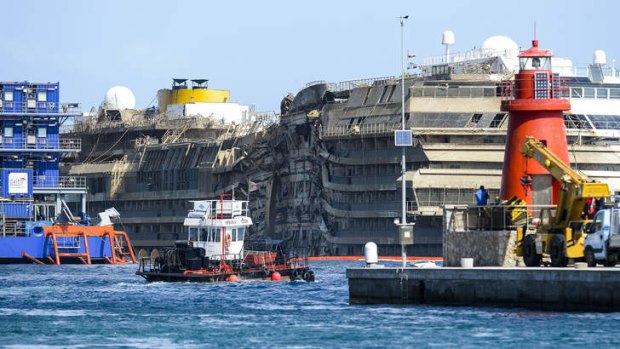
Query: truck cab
x=602 y=242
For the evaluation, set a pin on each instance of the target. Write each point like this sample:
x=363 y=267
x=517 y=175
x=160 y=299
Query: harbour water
x=108 y=306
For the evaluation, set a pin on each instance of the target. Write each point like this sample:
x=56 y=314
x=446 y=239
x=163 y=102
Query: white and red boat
x=216 y=250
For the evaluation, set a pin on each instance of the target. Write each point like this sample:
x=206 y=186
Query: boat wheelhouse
x=218 y=226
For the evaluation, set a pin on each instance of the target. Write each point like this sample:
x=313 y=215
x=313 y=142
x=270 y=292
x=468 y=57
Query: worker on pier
x=482 y=196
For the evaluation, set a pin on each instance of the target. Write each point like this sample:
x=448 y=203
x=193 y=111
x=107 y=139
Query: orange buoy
x=232 y=278
x=275 y=276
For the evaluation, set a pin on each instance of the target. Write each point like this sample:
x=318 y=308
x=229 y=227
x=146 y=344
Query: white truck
x=602 y=242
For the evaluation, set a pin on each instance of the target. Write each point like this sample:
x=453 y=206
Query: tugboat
x=216 y=250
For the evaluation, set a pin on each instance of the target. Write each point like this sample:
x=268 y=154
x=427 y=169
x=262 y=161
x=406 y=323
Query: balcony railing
x=39 y=107
x=539 y=87
x=34 y=143
x=59 y=182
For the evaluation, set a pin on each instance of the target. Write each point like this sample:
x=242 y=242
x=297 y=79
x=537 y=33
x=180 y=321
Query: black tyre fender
x=557 y=251
x=528 y=248
x=309 y=275
x=589 y=258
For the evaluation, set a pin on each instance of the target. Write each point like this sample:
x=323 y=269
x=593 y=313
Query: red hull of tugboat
x=245 y=275
x=184 y=263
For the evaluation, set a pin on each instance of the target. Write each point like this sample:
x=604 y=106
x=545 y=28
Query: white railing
x=474 y=218
x=466 y=56
x=34 y=107
x=595 y=92
x=59 y=182
x=34 y=143
x=369 y=128
x=351 y=84
x=608 y=72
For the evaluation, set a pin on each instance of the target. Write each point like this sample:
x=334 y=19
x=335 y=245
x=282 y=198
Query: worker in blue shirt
x=482 y=196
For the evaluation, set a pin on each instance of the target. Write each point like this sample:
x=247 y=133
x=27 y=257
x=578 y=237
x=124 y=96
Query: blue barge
x=36 y=223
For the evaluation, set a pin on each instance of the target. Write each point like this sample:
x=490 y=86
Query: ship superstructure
x=150 y=164
x=324 y=173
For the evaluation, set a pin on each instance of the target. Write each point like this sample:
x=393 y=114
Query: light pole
x=403 y=160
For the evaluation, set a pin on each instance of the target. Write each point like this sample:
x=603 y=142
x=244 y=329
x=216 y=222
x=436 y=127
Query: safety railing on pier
x=439 y=197
x=497 y=217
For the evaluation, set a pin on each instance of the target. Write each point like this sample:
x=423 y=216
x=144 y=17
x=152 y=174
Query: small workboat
x=216 y=250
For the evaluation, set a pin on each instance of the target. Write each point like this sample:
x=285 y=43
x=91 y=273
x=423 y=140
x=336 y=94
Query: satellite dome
x=500 y=44
x=447 y=38
x=119 y=97
x=600 y=57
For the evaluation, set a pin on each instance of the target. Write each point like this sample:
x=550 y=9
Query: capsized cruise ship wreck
x=324 y=173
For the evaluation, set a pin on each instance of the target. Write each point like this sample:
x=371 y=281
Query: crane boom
x=576 y=187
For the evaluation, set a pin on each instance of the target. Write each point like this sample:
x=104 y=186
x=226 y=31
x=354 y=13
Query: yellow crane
x=560 y=232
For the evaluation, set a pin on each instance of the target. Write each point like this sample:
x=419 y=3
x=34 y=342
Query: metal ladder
x=75 y=245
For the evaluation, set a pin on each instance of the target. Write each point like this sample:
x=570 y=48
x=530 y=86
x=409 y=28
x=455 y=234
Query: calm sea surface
x=109 y=307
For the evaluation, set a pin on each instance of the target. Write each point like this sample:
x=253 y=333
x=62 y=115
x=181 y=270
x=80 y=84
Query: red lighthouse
x=535 y=101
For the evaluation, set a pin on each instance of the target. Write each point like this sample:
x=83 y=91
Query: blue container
x=47 y=97
x=16 y=209
x=52 y=137
x=14 y=105
x=46 y=174
x=16 y=140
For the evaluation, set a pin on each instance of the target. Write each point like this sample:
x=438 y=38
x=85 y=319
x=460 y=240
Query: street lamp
x=403 y=138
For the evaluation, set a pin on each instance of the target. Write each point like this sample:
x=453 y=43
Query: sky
x=262 y=50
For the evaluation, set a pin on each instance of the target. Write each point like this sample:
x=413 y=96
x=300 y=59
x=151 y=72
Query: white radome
x=600 y=57
x=119 y=97
x=447 y=38
x=501 y=44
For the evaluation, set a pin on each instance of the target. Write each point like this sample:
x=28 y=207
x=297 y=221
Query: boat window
x=218 y=235
x=240 y=233
x=8 y=132
x=234 y=234
x=193 y=234
x=602 y=93
x=204 y=234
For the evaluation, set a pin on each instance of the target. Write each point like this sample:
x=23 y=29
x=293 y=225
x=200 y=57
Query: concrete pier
x=562 y=289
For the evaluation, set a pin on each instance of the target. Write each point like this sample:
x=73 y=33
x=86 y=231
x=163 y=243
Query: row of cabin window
x=41 y=132
x=41 y=96
x=215 y=234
